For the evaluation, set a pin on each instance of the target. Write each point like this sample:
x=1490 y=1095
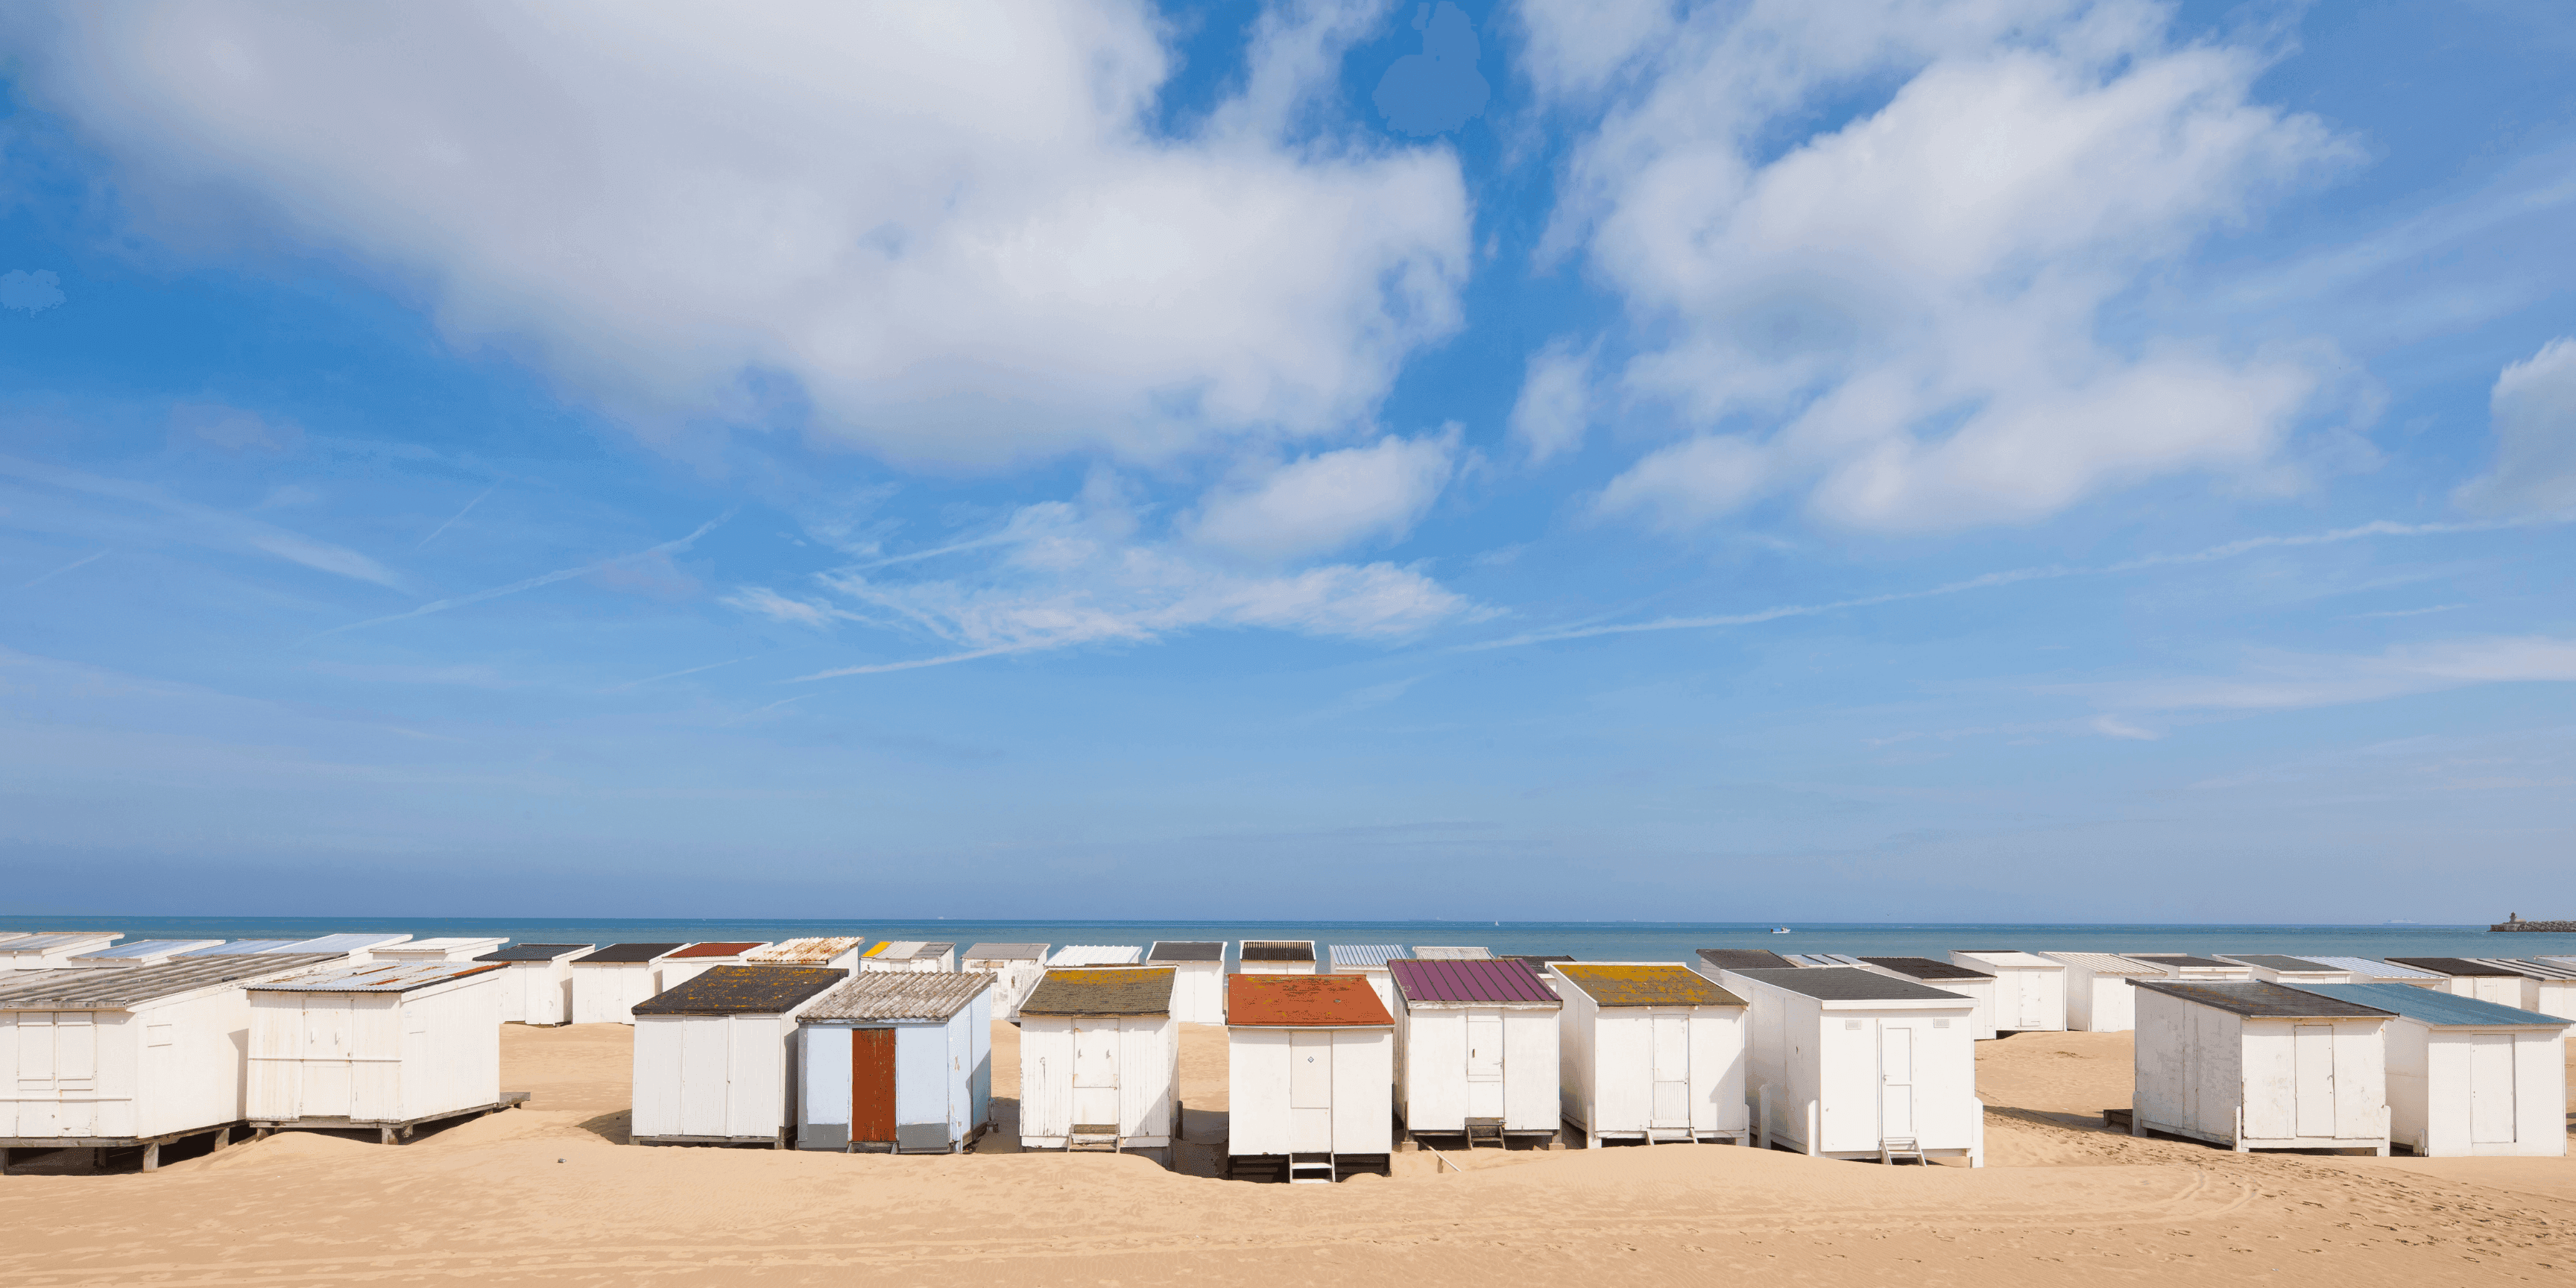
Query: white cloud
x=1905 y=318
x=1331 y=500
x=2288 y=682
x=1555 y=406
x=2534 y=408
x=761 y=601
x=952 y=225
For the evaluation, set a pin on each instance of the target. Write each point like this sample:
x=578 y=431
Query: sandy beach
x=550 y=1194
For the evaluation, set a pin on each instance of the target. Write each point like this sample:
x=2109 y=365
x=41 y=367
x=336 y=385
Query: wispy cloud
x=451 y=519
x=206 y=526
x=673 y=675
x=880 y=668
x=2287 y=682
x=2403 y=612
x=531 y=583
x=84 y=560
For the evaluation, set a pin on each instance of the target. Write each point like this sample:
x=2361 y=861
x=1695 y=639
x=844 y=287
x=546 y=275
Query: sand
x=549 y=1194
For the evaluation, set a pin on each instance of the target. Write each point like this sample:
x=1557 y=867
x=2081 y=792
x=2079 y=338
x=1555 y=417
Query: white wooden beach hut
x=435 y=950
x=608 y=982
x=1198 y=977
x=113 y=1058
x=2297 y=972
x=1476 y=1050
x=2098 y=996
x=2367 y=970
x=897 y=1061
x=51 y=949
x=1853 y=1063
x=388 y=1045
x=140 y=952
x=1368 y=961
x=2467 y=1077
x=1096 y=955
x=2252 y=1065
x=714 y=1061
x=1967 y=981
x=1015 y=968
x=2030 y=990
x=697 y=959
x=2548 y=987
x=1275 y=956
x=911 y=955
x=826 y=952
x=1310 y=1078
x=1452 y=953
x=2187 y=966
x=536 y=982
x=1649 y=1051
x=1100 y=1061
x=2467 y=977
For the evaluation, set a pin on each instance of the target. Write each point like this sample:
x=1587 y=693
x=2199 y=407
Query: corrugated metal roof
x=1451 y=953
x=2531 y=968
x=534 y=952
x=1364 y=955
x=2013 y=957
x=1744 y=958
x=811 y=951
x=2372 y=968
x=377 y=977
x=1622 y=984
x=149 y=948
x=57 y=940
x=352 y=943
x=2274 y=961
x=1851 y=984
x=1469 y=981
x=2107 y=964
x=245 y=947
x=1005 y=953
x=1926 y=968
x=1537 y=959
x=1103 y=990
x=908 y=950
x=1096 y=955
x=1814 y=959
x=628 y=954
x=2262 y=1000
x=2182 y=960
x=742 y=990
x=2441 y=1010
x=1303 y=1002
x=2456 y=967
x=1186 y=950
x=729 y=949
x=118 y=987
x=1277 y=950
x=453 y=945
x=888 y=995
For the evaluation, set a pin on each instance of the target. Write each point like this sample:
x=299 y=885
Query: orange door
x=872 y=1085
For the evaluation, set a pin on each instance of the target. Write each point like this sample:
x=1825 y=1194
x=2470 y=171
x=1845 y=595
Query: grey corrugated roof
x=2106 y=964
x=55 y=940
x=1452 y=953
x=629 y=954
x=1926 y=968
x=1744 y=959
x=2441 y=1010
x=743 y=990
x=2180 y=960
x=245 y=947
x=1851 y=984
x=1005 y=953
x=352 y=943
x=377 y=977
x=1102 y=990
x=118 y=987
x=2275 y=961
x=890 y=995
x=2530 y=968
x=149 y=948
x=2262 y=1000
x=533 y=952
x=1277 y=950
x=1364 y=956
x=2372 y=968
x=1186 y=950
x=2457 y=967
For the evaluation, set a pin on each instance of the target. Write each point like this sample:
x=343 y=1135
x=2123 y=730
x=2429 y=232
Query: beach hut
x=1310 y=1078
x=2366 y=970
x=608 y=982
x=115 y=1058
x=353 y=946
x=1275 y=957
x=1198 y=977
x=1649 y=1051
x=1015 y=968
x=2548 y=987
x=713 y=1064
x=49 y=950
x=2030 y=990
x=697 y=959
x=140 y=952
x=1096 y=955
x=1853 y=1063
x=2098 y=996
x=1713 y=960
x=1475 y=1050
x=825 y=952
x=897 y=1061
x=1368 y=961
x=2197 y=969
x=1100 y=1061
x=2252 y=1065
x=434 y=950
x=2467 y=977
x=1451 y=953
x=536 y=982
x=1967 y=981
x=2297 y=972
x=909 y=954
x=2467 y=1077
x=388 y=1045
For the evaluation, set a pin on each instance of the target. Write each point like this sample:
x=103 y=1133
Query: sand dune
x=550 y=1195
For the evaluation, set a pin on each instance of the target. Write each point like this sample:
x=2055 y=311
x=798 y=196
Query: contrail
x=880 y=668
x=673 y=675
x=548 y=579
x=451 y=519
x=42 y=578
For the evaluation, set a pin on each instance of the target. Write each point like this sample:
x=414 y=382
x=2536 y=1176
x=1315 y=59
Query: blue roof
x=346 y=943
x=243 y=948
x=2442 y=1010
x=147 y=948
x=2374 y=969
x=1365 y=955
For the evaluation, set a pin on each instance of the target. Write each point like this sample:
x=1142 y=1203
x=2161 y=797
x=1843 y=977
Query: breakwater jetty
x=2514 y=921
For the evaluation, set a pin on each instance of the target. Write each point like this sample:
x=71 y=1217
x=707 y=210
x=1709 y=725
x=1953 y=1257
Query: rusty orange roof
x=1303 y=1001
x=718 y=950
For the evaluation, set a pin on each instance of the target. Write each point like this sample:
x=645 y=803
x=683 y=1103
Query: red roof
x=1303 y=1001
x=1493 y=980
x=717 y=950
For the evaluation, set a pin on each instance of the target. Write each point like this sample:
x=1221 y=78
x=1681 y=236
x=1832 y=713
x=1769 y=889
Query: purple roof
x=1495 y=980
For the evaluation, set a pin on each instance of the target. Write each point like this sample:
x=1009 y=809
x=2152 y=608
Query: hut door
x=1895 y=1081
x=1310 y=1091
x=2491 y=1089
x=1095 y=1075
x=329 y=1088
x=1672 y=1069
x=2312 y=1050
x=1484 y=1064
x=58 y=1052
x=2034 y=1002
x=872 y=1085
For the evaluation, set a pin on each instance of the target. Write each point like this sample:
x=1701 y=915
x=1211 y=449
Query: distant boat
x=1782 y=930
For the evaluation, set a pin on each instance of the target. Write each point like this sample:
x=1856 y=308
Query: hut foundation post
x=223 y=1137
x=152 y=1157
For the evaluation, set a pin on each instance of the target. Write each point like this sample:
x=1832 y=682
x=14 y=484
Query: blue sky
x=1998 y=460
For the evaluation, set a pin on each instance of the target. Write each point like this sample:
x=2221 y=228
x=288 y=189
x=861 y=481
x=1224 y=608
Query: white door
x=57 y=1062
x=2491 y=1089
x=2312 y=1050
x=1484 y=1064
x=2034 y=1002
x=1095 y=1075
x=1895 y=1081
x=1672 y=1069
x=328 y=1090
x=1310 y=1091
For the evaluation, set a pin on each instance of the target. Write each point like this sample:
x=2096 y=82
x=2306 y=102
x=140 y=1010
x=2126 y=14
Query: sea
x=1630 y=941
